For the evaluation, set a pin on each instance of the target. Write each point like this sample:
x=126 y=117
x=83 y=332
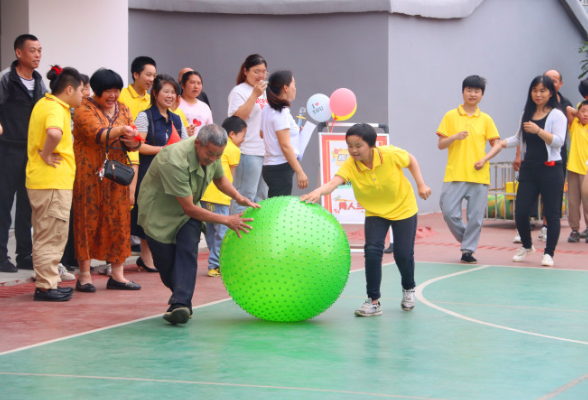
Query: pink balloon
x=342 y=102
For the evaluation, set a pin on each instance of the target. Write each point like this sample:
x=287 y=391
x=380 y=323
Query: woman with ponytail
x=50 y=174
x=281 y=137
x=246 y=101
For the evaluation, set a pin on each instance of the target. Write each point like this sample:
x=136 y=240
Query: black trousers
x=534 y=180
x=404 y=231
x=278 y=179
x=177 y=263
x=13 y=162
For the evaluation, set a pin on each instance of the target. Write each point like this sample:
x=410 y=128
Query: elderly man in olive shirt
x=170 y=212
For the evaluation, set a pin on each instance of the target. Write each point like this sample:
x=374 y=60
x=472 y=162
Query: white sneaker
x=523 y=253
x=517 y=239
x=368 y=309
x=407 y=303
x=104 y=269
x=542 y=234
x=547 y=260
x=64 y=274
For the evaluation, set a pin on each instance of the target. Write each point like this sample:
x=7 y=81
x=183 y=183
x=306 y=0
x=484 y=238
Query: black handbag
x=114 y=170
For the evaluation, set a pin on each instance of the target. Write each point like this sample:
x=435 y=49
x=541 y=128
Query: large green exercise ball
x=293 y=264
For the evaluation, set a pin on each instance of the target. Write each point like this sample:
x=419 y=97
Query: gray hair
x=214 y=134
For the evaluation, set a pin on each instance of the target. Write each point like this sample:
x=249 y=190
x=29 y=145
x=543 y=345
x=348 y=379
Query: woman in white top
x=246 y=101
x=197 y=112
x=541 y=134
x=281 y=136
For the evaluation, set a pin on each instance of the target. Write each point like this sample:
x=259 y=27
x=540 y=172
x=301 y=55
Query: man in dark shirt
x=20 y=88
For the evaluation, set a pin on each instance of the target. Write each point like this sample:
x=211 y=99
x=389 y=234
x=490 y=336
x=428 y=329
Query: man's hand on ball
x=236 y=223
x=244 y=201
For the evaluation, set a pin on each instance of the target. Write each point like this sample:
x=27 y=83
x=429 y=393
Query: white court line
x=564 y=388
x=112 y=378
x=32 y=346
x=523 y=266
x=116 y=326
x=419 y=294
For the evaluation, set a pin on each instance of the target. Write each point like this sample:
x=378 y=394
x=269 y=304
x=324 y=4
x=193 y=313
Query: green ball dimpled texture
x=293 y=264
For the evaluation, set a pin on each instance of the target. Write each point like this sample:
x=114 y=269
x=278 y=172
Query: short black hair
x=85 y=79
x=474 y=81
x=583 y=87
x=234 y=124
x=584 y=103
x=61 y=78
x=365 y=131
x=19 y=42
x=105 y=79
x=139 y=63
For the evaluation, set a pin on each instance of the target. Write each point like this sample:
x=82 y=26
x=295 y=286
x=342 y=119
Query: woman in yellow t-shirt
x=386 y=195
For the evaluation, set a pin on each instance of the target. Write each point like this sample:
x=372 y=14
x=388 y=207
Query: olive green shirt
x=174 y=172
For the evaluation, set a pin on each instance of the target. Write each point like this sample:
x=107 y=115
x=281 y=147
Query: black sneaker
x=179 y=315
x=51 y=295
x=467 y=258
x=584 y=234
x=389 y=249
x=574 y=237
x=7 y=266
x=25 y=263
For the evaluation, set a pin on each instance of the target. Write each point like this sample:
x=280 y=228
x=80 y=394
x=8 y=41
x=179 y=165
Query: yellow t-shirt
x=130 y=98
x=578 y=148
x=383 y=190
x=50 y=112
x=463 y=154
x=178 y=111
x=136 y=103
x=230 y=158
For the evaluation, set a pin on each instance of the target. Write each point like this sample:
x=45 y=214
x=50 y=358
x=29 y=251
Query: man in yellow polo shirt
x=465 y=131
x=50 y=175
x=378 y=182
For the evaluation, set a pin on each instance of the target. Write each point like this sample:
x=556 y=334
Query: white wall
x=14 y=21
x=84 y=34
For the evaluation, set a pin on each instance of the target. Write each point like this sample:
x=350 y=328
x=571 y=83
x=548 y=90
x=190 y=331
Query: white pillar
x=83 y=34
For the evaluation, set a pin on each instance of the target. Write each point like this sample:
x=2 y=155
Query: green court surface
x=476 y=333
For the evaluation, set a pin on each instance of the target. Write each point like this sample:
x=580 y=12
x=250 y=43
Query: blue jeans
x=215 y=233
x=404 y=232
x=177 y=263
x=248 y=181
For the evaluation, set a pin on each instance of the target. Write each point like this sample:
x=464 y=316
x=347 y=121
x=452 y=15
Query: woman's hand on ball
x=236 y=223
x=311 y=197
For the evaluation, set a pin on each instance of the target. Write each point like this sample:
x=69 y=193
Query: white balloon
x=318 y=107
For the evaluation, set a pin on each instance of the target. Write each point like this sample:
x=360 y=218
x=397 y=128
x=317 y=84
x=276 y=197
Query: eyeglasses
x=260 y=72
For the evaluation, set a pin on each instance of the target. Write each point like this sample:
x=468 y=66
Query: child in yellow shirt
x=50 y=175
x=578 y=127
x=215 y=201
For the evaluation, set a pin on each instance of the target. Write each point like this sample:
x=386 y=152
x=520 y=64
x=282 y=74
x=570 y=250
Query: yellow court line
x=419 y=295
x=111 y=378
